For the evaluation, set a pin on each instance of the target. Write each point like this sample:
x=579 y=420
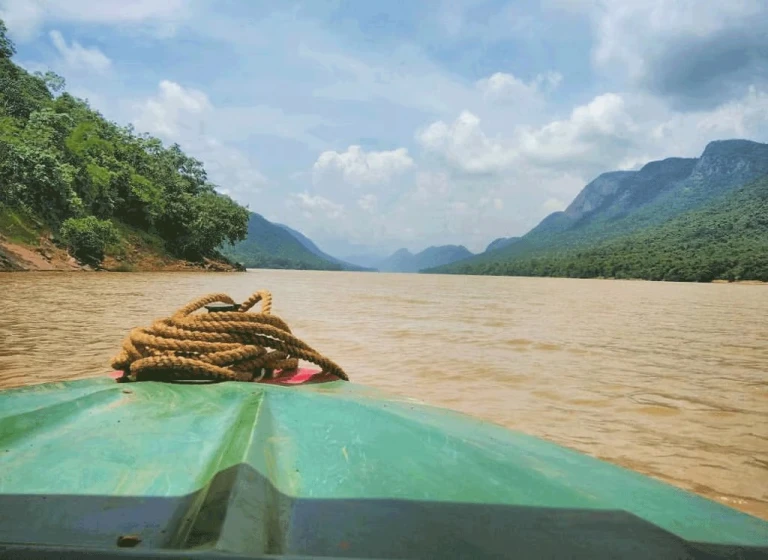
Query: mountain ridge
x=403 y=260
x=619 y=203
x=268 y=245
x=500 y=242
x=725 y=239
x=314 y=249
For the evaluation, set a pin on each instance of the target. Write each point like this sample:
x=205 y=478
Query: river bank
x=46 y=256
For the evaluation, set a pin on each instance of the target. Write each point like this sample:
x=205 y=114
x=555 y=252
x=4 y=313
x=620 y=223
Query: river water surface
x=667 y=379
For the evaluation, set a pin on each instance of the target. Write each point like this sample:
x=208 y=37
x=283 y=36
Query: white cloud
x=356 y=166
x=539 y=169
x=503 y=87
x=623 y=26
x=595 y=135
x=179 y=114
x=464 y=145
x=405 y=76
x=745 y=117
x=79 y=57
x=431 y=185
x=239 y=123
x=367 y=202
x=699 y=53
x=316 y=206
x=172 y=110
x=25 y=17
x=612 y=131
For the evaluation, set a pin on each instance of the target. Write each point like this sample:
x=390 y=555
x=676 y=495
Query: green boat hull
x=98 y=469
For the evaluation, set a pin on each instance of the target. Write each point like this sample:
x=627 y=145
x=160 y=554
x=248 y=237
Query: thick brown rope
x=221 y=346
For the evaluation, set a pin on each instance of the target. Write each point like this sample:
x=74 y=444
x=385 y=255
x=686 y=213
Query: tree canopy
x=60 y=160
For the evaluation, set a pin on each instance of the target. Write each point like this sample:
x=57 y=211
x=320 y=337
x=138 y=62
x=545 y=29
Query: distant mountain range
x=403 y=260
x=270 y=245
x=501 y=242
x=703 y=209
x=368 y=260
x=675 y=219
x=315 y=250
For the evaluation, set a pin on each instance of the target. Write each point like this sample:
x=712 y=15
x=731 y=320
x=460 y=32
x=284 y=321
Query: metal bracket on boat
x=221 y=306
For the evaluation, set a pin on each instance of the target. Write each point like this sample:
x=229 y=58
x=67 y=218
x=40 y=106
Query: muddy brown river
x=667 y=379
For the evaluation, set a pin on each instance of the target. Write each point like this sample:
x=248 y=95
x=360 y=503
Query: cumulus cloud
x=172 y=110
x=698 y=53
x=541 y=168
x=316 y=206
x=503 y=87
x=595 y=135
x=77 y=56
x=464 y=145
x=356 y=166
x=179 y=114
x=612 y=131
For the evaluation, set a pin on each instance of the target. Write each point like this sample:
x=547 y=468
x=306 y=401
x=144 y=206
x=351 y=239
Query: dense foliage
x=87 y=238
x=269 y=245
x=60 y=159
x=726 y=239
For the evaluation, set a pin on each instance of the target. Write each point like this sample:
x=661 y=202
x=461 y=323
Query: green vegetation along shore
x=70 y=179
x=725 y=240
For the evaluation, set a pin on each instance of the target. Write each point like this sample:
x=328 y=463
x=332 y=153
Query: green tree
x=217 y=220
x=7 y=48
x=87 y=238
x=52 y=81
x=61 y=160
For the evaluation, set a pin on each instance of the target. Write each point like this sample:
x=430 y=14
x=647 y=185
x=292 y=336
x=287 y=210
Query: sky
x=374 y=125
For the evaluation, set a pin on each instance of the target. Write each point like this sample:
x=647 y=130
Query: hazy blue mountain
x=403 y=260
x=314 y=249
x=500 y=243
x=271 y=246
x=366 y=260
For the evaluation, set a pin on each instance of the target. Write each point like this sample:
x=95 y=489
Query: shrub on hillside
x=87 y=238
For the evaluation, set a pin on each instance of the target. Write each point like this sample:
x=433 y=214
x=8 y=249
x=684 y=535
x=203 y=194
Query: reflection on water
x=668 y=379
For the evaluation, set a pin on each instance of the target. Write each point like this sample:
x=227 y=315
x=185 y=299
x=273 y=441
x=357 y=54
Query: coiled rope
x=221 y=346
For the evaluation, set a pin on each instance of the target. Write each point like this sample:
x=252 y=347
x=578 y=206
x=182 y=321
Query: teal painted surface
x=223 y=466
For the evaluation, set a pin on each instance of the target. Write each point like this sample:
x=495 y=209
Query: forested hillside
x=726 y=239
x=269 y=245
x=69 y=175
x=315 y=250
x=621 y=206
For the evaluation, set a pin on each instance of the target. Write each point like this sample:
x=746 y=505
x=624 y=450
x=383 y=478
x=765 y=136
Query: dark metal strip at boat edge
x=41 y=552
x=219 y=306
